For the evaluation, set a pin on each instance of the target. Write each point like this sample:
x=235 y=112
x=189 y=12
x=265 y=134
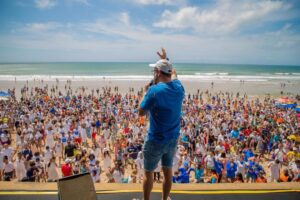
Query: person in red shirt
x=226 y=145
x=66 y=168
x=94 y=135
x=247 y=132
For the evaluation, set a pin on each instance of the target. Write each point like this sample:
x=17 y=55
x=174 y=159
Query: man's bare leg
x=167 y=184
x=147 y=184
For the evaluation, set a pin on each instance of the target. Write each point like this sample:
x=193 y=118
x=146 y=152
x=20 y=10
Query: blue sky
x=205 y=31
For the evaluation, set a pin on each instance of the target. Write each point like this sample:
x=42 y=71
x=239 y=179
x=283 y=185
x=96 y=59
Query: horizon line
x=180 y=62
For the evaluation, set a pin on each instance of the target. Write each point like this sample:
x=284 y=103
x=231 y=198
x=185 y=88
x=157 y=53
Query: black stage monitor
x=76 y=187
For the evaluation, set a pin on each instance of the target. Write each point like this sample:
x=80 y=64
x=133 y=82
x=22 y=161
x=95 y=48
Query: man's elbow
x=141 y=112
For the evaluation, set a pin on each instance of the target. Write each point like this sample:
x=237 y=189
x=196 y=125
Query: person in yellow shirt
x=290 y=155
x=297 y=156
x=5 y=120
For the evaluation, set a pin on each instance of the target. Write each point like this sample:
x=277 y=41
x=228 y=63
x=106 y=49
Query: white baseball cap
x=163 y=65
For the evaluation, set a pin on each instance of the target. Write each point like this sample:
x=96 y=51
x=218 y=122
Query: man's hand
x=146 y=87
x=163 y=54
x=141 y=112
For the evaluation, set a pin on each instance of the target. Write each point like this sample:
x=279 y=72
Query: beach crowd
x=48 y=134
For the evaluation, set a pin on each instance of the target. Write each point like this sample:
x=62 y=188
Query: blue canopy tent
x=4 y=94
x=297 y=109
x=288 y=105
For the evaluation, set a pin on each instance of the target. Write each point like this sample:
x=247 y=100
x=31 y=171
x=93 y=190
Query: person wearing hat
x=107 y=160
x=163 y=102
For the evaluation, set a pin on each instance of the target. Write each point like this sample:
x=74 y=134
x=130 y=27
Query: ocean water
x=82 y=71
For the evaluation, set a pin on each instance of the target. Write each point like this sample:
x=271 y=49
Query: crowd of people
x=224 y=137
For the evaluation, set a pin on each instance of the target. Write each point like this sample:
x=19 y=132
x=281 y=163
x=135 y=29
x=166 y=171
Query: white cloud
x=117 y=26
x=226 y=16
x=280 y=47
x=41 y=27
x=45 y=4
x=118 y=38
x=159 y=2
x=125 y=18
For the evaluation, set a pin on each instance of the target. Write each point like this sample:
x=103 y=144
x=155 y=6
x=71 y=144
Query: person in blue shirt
x=163 y=103
x=247 y=154
x=185 y=141
x=184 y=173
x=258 y=169
x=253 y=170
x=98 y=124
x=231 y=168
x=235 y=133
x=175 y=178
x=213 y=177
x=63 y=139
x=199 y=173
x=218 y=168
x=52 y=110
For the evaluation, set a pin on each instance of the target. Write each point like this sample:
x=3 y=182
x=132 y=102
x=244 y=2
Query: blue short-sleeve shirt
x=163 y=101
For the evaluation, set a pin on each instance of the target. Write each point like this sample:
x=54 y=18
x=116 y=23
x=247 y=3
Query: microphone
x=151 y=83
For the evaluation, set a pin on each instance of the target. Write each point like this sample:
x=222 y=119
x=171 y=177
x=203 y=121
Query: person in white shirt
x=102 y=143
x=59 y=150
x=117 y=172
x=50 y=138
x=95 y=177
x=221 y=137
x=88 y=127
x=135 y=131
x=95 y=172
x=279 y=153
x=200 y=147
x=106 y=134
x=274 y=170
x=4 y=138
x=20 y=167
x=209 y=161
x=83 y=134
x=220 y=147
x=52 y=170
x=48 y=154
x=8 y=151
x=140 y=166
x=241 y=166
x=8 y=169
x=106 y=159
x=95 y=150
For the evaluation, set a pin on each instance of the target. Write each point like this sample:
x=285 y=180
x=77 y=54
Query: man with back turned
x=163 y=102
